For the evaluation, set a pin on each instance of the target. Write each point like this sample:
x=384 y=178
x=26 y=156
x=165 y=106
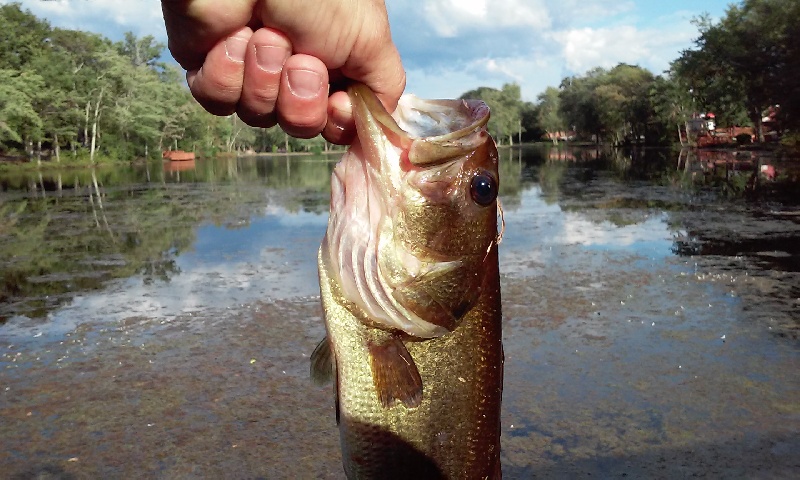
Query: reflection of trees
x=162 y=269
x=510 y=169
x=59 y=246
x=729 y=173
x=568 y=177
x=79 y=229
x=9 y=216
x=51 y=245
x=551 y=175
x=571 y=177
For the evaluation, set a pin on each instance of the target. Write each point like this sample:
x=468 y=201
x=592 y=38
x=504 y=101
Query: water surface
x=157 y=321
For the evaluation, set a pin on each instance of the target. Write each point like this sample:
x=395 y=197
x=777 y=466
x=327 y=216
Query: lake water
x=156 y=320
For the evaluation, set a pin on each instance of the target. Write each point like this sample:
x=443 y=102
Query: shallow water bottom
x=640 y=368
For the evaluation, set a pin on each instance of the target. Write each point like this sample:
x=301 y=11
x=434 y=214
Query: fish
x=410 y=290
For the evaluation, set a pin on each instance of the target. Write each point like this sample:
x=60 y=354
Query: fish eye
x=483 y=189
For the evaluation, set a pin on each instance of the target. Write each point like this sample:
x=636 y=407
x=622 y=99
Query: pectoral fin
x=394 y=373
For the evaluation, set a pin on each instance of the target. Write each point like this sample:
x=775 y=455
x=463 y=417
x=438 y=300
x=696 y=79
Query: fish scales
x=450 y=427
x=376 y=440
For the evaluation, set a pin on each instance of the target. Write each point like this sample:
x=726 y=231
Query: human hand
x=273 y=61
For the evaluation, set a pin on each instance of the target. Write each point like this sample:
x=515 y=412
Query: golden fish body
x=411 y=293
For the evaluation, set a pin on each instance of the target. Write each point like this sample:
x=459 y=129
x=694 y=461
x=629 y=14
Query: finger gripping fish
x=411 y=293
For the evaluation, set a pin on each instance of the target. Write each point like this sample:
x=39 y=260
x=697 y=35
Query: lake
x=156 y=320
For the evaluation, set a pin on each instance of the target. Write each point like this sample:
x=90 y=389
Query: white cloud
x=577 y=229
x=592 y=11
x=499 y=66
x=450 y=18
x=532 y=74
x=585 y=48
x=108 y=17
x=451 y=46
x=478 y=43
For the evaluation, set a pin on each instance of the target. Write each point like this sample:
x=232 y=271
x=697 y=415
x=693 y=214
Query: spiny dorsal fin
x=322 y=366
x=394 y=373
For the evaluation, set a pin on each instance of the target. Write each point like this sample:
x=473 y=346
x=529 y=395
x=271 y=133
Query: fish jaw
x=404 y=177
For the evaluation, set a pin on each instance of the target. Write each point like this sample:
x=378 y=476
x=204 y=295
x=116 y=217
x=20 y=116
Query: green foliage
x=608 y=104
x=532 y=129
x=140 y=51
x=86 y=226
x=578 y=104
x=672 y=106
x=18 y=92
x=548 y=114
x=21 y=36
x=747 y=62
x=80 y=92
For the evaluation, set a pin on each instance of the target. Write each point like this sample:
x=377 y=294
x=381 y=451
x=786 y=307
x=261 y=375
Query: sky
x=451 y=46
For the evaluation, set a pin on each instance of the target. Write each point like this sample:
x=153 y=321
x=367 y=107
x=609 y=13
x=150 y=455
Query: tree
x=77 y=54
x=64 y=87
x=532 y=130
x=577 y=103
x=143 y=51
x=21 y=36
x=632 y=84
x=672 y=104
x=611 y=104
x=609 y=101
x=748 y=61
x=549 y=114
x=19 y=121
x=112 y=77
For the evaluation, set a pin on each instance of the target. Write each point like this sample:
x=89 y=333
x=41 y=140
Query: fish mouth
x=431 y=132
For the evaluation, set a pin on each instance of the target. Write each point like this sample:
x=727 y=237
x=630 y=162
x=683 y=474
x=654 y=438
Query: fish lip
x=476 y=110
x=367 y=105
x=422 y=150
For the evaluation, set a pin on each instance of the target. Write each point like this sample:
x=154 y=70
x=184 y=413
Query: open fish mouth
x=432 y=131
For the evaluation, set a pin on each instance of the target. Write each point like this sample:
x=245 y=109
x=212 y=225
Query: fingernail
x=271 y=59
x=304 y=83
x=236 y=48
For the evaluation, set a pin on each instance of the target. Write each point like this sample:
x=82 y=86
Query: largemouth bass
x=411 y=293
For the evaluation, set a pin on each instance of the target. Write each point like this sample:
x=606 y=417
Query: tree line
x=740 y=68
x=74 y=91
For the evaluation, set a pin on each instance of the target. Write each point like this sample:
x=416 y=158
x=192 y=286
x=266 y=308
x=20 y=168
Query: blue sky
x=451 y=46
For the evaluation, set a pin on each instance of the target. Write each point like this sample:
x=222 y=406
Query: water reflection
x=228 y=266
x=66 y=233
x=72 y=232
